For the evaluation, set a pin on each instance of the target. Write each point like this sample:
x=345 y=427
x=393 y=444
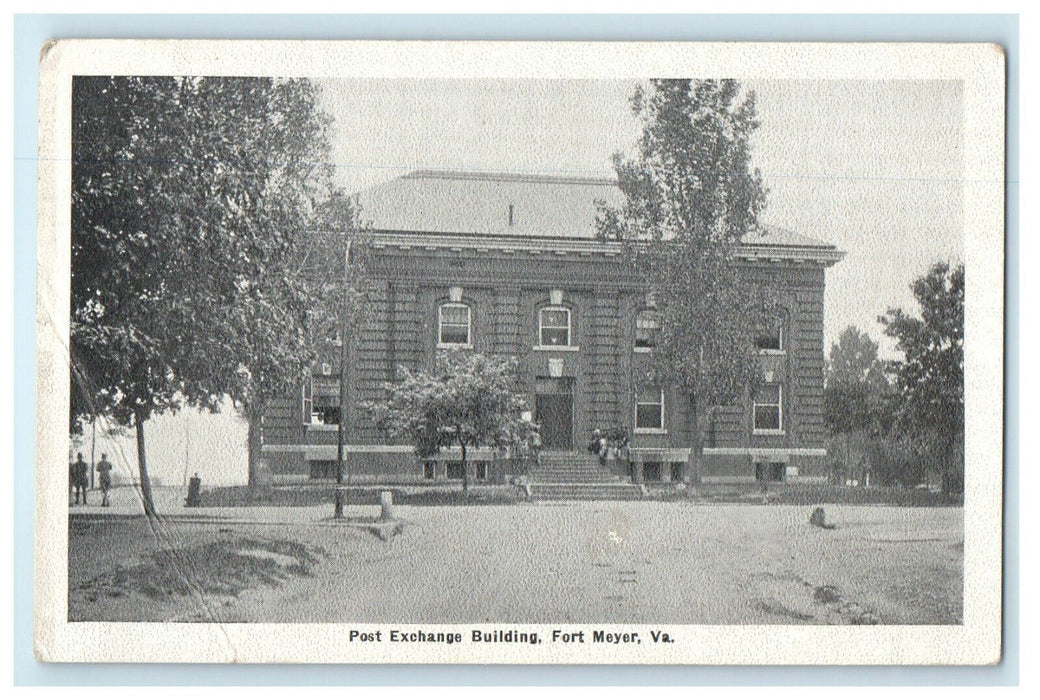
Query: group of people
x=79 y=479
x=600 y=445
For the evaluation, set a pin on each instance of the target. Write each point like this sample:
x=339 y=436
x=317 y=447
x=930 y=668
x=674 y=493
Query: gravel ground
x=624 y=562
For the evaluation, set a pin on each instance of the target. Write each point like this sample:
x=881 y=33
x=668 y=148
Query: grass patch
x=303 y=495
x=223 y=567
x=806 y=494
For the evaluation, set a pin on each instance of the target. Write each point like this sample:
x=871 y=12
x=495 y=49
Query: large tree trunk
x=146 y=483
x=693 y=465
x=253 y=445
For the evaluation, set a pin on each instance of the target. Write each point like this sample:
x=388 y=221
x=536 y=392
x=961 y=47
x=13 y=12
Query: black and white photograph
x=523 y=353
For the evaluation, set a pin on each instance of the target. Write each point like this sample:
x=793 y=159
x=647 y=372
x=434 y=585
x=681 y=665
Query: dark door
x=553 y=413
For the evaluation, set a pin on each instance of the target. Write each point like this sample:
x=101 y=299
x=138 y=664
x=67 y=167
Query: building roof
x=513 y=205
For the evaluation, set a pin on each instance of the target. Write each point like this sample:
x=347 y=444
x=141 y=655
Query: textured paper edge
x=979 y=66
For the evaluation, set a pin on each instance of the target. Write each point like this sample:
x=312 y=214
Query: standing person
x=80 y=477
x=104 y=470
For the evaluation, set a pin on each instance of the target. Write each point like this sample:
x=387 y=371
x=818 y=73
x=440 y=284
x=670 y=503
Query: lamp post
x=342 y=469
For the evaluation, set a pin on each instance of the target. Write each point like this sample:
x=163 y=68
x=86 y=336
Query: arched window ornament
x=454 y=325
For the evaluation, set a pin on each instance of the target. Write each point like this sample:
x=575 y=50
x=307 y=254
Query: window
x=455 y=470
x=321 y=401
x=429 y=470
x=554 y=326
x=324 y=469
x=771 y=340
x=651 y=471
x=770 y=471
x=481 y=469
x=454 y=325
x=676 y=469
x=646 y=330
x=650 y=410
x=767 y=409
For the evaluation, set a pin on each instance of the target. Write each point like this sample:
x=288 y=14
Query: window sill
x=650 y=431
x=320 y=427
x=643 y=351
x=556 y=348
x=769 y=432
x=454 y=346
x=771 y=352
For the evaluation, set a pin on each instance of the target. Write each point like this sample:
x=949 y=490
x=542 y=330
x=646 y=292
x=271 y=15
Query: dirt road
x=620 y=562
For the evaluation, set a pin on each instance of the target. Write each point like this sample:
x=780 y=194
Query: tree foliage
x=192 y=203
x=930 y=379
x=691 y=196
x=856 y=392
x=465 y=400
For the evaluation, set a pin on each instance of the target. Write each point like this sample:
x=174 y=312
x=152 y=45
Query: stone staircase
x=577 y=476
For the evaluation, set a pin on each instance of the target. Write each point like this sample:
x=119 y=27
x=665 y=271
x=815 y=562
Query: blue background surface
x=30 y=31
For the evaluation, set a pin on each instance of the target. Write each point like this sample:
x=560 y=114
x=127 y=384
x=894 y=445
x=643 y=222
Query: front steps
x=577 y=476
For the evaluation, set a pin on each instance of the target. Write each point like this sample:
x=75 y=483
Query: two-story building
x=510 y=264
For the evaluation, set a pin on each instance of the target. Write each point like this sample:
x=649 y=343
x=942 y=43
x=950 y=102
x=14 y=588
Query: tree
x=691 y=196
x=930 y=379
x=466 y=400
x=190 y=201
x=856 y=392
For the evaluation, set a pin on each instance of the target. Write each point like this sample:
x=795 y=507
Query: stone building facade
x=509 y=264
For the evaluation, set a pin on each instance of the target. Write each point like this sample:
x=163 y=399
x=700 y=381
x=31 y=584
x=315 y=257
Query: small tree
x=931 y=378
x=465 y=401
x=691 y=197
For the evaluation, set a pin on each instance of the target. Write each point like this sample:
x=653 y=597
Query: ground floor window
x=321 y=401
x=482 y=470
x=650 y=409
x=651 y=471
x=456 y=470
x=768 y=415
x=677 y=469
x=770 y=471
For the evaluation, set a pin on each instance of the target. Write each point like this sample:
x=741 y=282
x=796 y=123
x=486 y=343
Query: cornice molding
x=579 y=247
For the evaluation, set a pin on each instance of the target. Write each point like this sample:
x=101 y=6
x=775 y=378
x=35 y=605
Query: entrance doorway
x=554 y=411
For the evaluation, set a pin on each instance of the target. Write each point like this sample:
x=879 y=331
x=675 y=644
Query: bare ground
x=634 y=562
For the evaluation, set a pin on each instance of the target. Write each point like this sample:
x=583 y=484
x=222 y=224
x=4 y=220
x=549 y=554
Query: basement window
x=770 y=471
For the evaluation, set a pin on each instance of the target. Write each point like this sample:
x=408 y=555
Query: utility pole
x=342 y=468
x=93 y=443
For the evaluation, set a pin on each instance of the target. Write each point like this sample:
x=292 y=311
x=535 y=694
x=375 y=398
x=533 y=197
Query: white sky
x=872 y=167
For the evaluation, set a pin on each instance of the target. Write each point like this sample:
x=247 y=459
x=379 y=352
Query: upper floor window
x=554 y=326
x=650 y=409
x=771 y=339
x=768 y=408
x=646 y=330
x=454 y=325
